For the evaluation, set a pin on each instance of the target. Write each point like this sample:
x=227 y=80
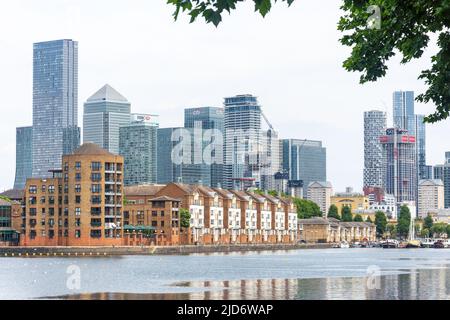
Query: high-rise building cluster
x=233 y=146
x=395 y=164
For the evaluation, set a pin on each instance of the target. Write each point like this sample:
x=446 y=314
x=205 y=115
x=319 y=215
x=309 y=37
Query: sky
x=292 y=60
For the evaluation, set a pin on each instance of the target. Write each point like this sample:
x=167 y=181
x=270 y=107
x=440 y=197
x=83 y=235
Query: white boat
x=344 y=244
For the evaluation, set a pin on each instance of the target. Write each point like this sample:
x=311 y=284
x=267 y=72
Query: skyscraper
x=242 y=143
x=375 y=124
x=180 y=157
x=55 y=104
x=104 y=113
x=138 y=145
x=24 y=153
x=442 y=172
x=305 y=160
x=399 y=164
x=210 y=118
x=405 y=118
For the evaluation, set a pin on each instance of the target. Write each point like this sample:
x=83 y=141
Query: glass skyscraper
x=405 y=118
x=241 y=148
x=24 y=153
x=55 y=104
x=138 y=145
x=305 y=160
x=209 y=118
x=104 y=113
x=189 y=168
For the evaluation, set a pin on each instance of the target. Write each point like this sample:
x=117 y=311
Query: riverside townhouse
x=85 y=204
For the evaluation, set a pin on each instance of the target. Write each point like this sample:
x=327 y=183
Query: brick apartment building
x=81 y=205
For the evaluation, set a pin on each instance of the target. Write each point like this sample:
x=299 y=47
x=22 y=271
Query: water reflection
x=419 y=284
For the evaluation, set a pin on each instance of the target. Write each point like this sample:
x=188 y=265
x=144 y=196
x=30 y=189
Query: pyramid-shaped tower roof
x=107 y=93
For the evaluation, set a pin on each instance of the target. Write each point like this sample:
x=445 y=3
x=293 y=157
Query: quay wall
x=166 y=250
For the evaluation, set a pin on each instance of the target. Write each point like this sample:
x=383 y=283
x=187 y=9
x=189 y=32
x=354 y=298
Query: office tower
x=405 y=118
x=24 y=153
x=55 y=104
x=104 y=113
x=210 y=119
x=242 y=129
x=305 y=160
x=399 y=164
x=421 y=147
x=180 y=157
x=138 y=145
x=375 y=124
x=442 y=172
x=320 y=193
x=431 y=196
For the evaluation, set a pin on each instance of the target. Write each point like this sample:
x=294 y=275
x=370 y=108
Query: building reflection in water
x=419 y=284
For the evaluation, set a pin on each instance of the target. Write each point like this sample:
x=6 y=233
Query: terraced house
x=81 y=205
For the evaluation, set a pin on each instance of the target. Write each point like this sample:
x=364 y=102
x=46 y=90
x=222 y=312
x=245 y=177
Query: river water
x=371 y=273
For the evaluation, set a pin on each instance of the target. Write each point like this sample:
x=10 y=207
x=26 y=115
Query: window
x=66 y=177
x=32 y=211
x=77 y=199
x=96 y=200
x=77 y=176
x=96 y=188
x=43 y=188
x=32 y=200
x=77 y=222
x=77 y=188
x=66 y=188
x=32 y=189
x=96 y=166
x=42 y=200
x=51 y=222
x=51 y=189
x=96 y=211
x=96 y=177
x=78 y=211
x=154 y=223
x=51 y=211
x=51 y=200
x=77 y=165
x=162 y=213
x=66 y=166
x=77 y=233
x=96 y=233
x=154 y=213
x=162 y=224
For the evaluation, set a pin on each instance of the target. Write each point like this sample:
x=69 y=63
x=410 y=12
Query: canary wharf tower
x=55 y=104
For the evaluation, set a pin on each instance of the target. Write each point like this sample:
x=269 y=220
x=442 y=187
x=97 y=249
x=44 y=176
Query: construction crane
x=267 y=121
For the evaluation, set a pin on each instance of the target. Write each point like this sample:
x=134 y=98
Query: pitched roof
x=4 y=202
x=13 y=194
x=320 y=184
x=143 y=190
x=107 y=93
x=89 y=148
x=165 y=198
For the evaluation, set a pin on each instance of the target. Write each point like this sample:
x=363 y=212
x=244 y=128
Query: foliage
x=369 y=219
x=307 y=209
x=212 y=10
x=403 y=222
x=185 y=218
x=447 y=230
x=258 y=191
x=333 y=212
x=438 y=229
x=405 y=28
x=273 y=193
x=428 y=222
x=392 y=230
x=380 y=222
x=358 y=218
x=347 y=214
x=5 y=198
x=425 y=233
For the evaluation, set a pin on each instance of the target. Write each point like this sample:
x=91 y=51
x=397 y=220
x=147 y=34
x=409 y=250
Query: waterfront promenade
x=147 y=250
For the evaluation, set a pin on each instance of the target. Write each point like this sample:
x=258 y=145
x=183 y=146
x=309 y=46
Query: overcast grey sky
x=291 y=60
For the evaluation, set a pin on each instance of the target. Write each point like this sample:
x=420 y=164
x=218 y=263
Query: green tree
x=447 y=230
x=428 y=222
x=374 y=34
x=358 y=218
x=425 y=233
x=380 y=222
x=369 y=219
x=346 y=214
x=273 y=193
x=438 y=229
x=392 y=230
x=307 y=209
x=333 y=212
x=403 y=222
x=185 y=218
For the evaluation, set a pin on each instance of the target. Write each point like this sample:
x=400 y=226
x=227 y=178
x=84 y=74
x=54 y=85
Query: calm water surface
x=302 y=274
